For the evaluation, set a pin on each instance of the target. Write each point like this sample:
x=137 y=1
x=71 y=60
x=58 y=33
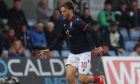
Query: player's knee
x=82 y=79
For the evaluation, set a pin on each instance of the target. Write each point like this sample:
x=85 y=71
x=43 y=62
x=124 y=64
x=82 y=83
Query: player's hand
x=97 y=51
x=44 y=54
x=100 y=51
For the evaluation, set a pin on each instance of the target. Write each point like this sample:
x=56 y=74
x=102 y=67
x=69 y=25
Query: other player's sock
x=96 y=79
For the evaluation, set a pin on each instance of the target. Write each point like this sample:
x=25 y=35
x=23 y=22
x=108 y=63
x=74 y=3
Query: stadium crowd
x=118 y=29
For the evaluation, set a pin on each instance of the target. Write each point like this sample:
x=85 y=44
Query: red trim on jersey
x=85 y=27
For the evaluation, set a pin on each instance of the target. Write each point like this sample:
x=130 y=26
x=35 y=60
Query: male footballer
x=81 y=45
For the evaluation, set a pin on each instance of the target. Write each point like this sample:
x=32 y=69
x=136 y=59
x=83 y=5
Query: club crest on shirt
x=68 y=33
x=71 y=23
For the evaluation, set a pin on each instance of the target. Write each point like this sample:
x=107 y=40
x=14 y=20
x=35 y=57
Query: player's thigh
x=70 y=72
x=72 y=60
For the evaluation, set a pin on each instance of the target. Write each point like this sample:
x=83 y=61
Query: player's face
x=65 y=12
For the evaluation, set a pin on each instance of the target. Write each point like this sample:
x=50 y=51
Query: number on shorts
x=84 y=64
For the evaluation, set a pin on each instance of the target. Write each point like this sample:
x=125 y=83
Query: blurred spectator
x=98 y=35
x=2 y=25
x=3 y=13
x=3 y=9
x=1 y=47
x=123 y=16
x=38 y=37
x=59 y=2
x=58 y=25
x=114 y=38
x=136 y=51
x=105 y=47
x=58 y=22
x=135 y=15
x=17 y=49
x=106 y=16
x=87 y=16
x=85 y=3
x=43 y=12
x=8 y=38
x=16 y=17
x=77 y=9
x=25 y=37
x=51 y=36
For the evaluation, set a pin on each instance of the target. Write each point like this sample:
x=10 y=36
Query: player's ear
x=71 y=11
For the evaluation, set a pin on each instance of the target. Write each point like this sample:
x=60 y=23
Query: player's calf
x=84 y=79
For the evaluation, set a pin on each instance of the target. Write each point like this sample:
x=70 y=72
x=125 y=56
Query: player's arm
x=95 y=43
x=57 y=41
x=47 y=53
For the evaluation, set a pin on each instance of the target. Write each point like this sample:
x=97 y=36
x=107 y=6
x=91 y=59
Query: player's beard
x=64 y=16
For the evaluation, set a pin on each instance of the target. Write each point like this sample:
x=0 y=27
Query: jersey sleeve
x=91 y=34
x=81 y=24
x=58 y=40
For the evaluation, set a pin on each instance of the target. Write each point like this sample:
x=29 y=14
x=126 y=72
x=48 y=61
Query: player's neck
x=71 y=16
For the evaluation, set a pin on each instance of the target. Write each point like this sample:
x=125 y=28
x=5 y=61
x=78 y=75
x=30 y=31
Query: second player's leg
x=70 y=74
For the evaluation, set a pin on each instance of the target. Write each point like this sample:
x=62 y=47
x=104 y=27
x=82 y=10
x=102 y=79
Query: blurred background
x=35 y=24
x=27 y=26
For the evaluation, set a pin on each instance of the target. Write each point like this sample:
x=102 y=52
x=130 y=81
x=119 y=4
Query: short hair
x=112 y=24
x=68 y=4
x=39 y=24
x=50 y=24
x=134 y=1
x=94 y=23
x=107 y=2
x=137 y=46
x=10 y=29
x=105 y=44
x=123 y=3
x=86 y=8
x=16 y=0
